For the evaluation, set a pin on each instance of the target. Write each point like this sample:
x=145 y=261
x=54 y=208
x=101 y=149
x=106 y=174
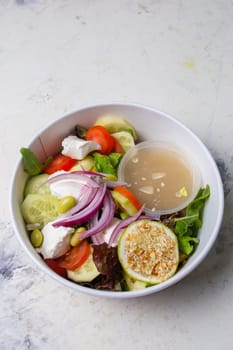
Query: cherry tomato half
x=117 y=146
x=75 y=257
x=100 y=134
x=60 y=162
x=55 y=267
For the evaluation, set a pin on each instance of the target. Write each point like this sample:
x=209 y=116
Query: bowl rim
x=122 y=294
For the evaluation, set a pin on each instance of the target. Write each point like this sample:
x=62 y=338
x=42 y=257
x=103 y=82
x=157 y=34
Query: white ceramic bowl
x=150 y=125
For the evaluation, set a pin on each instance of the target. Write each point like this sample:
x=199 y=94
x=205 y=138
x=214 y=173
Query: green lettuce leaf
x=187 y=227
x=187 y=244
x=107 y=164
x=115 y=159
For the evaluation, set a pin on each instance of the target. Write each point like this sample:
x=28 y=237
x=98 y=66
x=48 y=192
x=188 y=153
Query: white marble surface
x=58 y=55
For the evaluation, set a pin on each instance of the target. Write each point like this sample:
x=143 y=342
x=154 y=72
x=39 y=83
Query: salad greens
x=107 y=164
x=107 y=263
x=32 y=165
x=187 y=227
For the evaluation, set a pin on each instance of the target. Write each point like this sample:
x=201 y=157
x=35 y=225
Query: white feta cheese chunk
x=108 y=232
x=56 y=241
x=77 y=148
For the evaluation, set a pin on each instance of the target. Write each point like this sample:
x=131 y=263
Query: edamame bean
x=36 y=238
x=111 y=177
x=66 y=203
x=75 y=238
x=124 y=215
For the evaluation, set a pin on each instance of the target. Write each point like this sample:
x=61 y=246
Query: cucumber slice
x=125 y=139
x=134 y=284
x=114 y=124
x=40 y=208
x=85 y=273
x=85 y=164
x=34 y=185
x=124 y=204
x=148 y=251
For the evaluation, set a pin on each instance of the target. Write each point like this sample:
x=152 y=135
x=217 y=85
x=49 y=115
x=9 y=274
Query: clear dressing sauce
x=161 y=178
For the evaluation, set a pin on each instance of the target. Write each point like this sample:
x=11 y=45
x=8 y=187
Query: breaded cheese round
x=148 y=251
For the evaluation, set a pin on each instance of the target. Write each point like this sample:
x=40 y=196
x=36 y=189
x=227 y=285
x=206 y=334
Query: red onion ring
x=105 y=219
x=76 y=176
x=83 y=201
x=98 y=238
x=122 y=225
x=102 y=177
x=87 y=212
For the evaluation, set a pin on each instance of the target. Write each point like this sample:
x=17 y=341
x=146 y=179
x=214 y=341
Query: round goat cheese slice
x=148 y=251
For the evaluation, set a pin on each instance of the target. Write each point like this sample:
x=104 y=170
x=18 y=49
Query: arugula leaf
x=187 y=227
x=32 y=165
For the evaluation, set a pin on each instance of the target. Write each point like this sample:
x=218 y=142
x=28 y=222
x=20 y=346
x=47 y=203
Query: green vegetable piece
x=36 y=238
x=103 y=164
x=110 y=177
x=32 y=165
x=86 y=163
x=115 y=159
x=188 y=224
x=187 y=227
x=85 y=273
x=125 y=139
x=76 y=237
x=107 y=163
x=123 y=204
x=115 y=124
x=39 y=208
x=66 y=203
x=187 y=244
x=124 y=215
x=132 y=284
x=198 y=203
x=47 y=162
x=80 y=131
x=37 y=184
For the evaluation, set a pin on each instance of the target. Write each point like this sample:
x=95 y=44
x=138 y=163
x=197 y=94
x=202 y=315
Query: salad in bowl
x=102 y=228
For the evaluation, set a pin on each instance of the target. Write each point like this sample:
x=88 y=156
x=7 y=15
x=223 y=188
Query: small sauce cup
x=161 y=175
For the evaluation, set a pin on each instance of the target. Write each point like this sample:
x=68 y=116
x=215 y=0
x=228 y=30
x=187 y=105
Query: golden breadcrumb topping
x=151 y=251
